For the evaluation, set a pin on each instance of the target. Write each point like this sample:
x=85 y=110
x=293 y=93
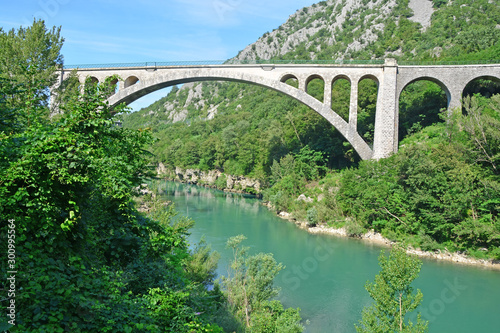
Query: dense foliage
x=87 y=261
x=83 y=258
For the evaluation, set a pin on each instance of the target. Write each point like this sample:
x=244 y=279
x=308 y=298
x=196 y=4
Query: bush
x=354 y=228
x=427 y=243
x=221 y=182
x=312 y=217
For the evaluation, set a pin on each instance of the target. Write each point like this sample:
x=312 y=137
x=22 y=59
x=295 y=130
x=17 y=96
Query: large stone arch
x=146 y=86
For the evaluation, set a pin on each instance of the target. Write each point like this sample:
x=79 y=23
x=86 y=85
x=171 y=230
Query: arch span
x=427 y=78
x=144 y=87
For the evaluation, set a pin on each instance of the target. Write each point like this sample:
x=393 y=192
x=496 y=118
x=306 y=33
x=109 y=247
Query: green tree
x=31 y=56
x=249 y=286
x=7 y=113
x=393 y=295
x=482 y=124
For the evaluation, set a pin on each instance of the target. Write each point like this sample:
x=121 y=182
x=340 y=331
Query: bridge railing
x=447 y=63
x=154 y=64
x=146 y=64
x=228 y=62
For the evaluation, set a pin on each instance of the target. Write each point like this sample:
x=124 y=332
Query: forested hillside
x=247 y=130
x=329 y=30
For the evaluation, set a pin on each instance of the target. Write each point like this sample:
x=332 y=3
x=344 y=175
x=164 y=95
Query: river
x=325 y=275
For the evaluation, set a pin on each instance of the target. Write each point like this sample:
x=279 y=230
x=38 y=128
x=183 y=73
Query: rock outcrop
x=212 y=178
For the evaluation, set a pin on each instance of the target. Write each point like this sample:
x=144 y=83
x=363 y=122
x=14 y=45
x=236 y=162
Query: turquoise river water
x=325 y=275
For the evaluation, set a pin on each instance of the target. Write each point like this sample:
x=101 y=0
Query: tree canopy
x=393 y=295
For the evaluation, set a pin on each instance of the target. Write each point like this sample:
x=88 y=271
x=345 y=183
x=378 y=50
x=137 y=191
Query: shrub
x=312 y=217
x=354 y=228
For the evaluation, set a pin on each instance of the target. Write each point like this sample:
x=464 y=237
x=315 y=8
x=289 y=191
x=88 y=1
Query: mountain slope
x=314 y=32
x=329 y=30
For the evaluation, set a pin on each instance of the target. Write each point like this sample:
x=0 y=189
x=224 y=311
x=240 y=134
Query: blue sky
x=123 y=31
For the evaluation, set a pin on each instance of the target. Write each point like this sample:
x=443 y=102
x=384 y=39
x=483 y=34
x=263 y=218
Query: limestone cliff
x=212 y=178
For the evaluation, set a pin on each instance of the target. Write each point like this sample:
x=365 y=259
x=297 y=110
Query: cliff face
x=319 y=27
x=212 y=178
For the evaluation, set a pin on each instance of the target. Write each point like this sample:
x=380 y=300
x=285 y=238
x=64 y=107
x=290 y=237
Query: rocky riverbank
x=212 y=178
x=377 y=238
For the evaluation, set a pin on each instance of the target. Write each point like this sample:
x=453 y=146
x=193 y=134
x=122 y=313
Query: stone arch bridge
x=140 y=80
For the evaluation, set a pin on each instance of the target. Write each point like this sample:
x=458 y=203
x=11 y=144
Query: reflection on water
x=203 y=197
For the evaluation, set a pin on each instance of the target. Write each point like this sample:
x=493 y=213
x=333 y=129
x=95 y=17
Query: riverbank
x=377 y=238
x=208 y=180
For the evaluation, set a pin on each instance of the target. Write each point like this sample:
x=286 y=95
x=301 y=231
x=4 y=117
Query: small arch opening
x=92 y=80
x=367 y=107
x=112 y=85
x=90 y=83
x=341 y=96
x=315 y=86
x=291 y=80
x=130 y=81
